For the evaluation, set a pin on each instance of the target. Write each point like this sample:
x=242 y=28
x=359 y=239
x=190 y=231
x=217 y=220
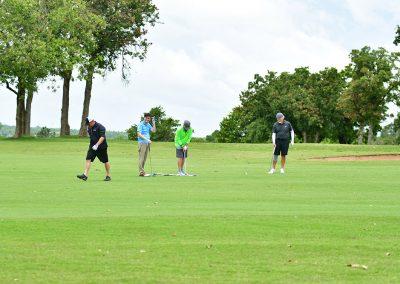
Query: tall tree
x=374 y=82
x=123 y=37
x=25 y=54
x=72 y=25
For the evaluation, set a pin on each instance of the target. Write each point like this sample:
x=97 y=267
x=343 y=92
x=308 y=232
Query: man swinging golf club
x=97 y=148
x=282 y=132
x=143 y=133
x=182 y=139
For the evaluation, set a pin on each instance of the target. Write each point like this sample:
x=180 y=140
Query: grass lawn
x=232 y=223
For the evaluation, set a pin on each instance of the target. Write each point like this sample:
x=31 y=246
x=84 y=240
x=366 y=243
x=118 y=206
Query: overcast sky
x=206 y=51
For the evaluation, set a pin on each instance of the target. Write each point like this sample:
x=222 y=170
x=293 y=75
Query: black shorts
x=282 y=147
x=181 y=154
x=101 y=154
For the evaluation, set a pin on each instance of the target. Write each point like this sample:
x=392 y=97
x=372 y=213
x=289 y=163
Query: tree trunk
x=86 y=103
x=360 y=134
x=65 y=128
x=316 y=140
x=20 y=115
x=304 y=136
x=370 y=134
x=28 y=109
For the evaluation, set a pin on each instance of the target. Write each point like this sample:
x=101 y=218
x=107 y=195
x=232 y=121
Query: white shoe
x=180 y=174
x=271 y=171
x=282 y=171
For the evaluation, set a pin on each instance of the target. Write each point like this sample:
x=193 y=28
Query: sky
x=205 y=52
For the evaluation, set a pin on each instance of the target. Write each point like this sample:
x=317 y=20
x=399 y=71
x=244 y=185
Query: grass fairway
x=231 y=224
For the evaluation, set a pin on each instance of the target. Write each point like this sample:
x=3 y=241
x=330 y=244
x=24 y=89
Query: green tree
x=123 y=37
x=166 y=126
x=37 y=39
x=231 y=127
x=25 y=53
x=397 y=37
x=72 y=26
x=374 y=82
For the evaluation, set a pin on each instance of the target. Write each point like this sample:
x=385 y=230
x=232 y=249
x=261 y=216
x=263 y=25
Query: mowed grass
x=233 y=223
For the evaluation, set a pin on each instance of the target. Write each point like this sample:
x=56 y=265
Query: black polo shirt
x=282 y=130
x=95 y=133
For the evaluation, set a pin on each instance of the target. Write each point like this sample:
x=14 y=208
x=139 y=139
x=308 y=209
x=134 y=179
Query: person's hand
x=185 y=148
x=95 y=146
x=153 y=119
x=274 y=145
x=150 y=141
x=292 y=143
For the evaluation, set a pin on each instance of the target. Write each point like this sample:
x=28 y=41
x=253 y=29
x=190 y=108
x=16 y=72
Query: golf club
x=272 y=159
x=184 y=161
x=151 y=166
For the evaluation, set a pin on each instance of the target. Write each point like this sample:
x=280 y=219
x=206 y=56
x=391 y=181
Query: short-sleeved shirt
x=144 y=128
x=282 y=130
x=95 y=133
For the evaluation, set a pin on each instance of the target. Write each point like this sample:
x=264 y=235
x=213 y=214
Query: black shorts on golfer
x=282 y=147
x=101 y=154
x=180 y=153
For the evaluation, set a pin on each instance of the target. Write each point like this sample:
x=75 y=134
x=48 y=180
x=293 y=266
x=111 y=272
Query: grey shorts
x=181 y=154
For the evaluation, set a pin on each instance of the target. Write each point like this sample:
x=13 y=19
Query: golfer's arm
x=101 y=140
x=292 y=135
x=273 y=137
x=141 y=136
x=153 y=129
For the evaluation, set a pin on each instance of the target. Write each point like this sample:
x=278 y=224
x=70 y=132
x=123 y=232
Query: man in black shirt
x=97 y=148
x=282 y=132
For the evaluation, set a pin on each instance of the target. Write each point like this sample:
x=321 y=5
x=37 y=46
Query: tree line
x=341 y=106
x=48 y=39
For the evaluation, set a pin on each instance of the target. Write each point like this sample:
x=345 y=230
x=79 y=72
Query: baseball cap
x=89 y=119
x=279 y=115
x=186 y=124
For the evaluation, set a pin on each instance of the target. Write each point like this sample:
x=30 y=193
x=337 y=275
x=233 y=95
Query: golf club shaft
x=185 y=160
x=151 y=166
x=272 y=158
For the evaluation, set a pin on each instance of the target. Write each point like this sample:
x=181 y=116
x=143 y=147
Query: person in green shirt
x=182 y=139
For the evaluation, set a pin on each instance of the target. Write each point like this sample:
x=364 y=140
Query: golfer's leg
x=141 y=158
x=283 y=161
x=87 y=167
x=180 y=164
x=274 y=164
x=107 y=166
x=146 y=152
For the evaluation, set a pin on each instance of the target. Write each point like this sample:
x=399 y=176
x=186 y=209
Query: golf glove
x=292 y=143
x=185 y=148
x=95 y=147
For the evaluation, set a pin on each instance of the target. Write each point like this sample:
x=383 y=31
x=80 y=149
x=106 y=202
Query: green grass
x=232 y=223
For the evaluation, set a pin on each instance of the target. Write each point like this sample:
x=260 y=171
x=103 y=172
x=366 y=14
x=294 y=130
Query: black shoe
x=82 y=177
x=107 y=178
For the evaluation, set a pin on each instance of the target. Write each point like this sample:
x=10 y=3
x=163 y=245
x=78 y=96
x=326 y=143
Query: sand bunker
x=388 y=157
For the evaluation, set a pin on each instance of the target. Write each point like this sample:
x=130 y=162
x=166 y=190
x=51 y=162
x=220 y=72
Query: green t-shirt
x=182 y=137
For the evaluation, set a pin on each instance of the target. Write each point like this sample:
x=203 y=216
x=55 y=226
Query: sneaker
x=271 y=171
x=282 y=171
x=107 y=178
x=82 y=177
x=184 y=173
x=180 y=174
x=141 y=174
